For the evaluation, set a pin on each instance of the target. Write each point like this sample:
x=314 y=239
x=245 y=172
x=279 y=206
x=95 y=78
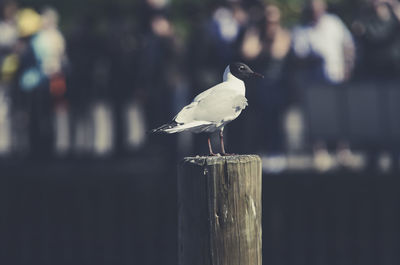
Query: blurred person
x=8 y=68
x=49 y=48
x=327 y=50
x=40 y=81
x=266 y=46
x=30 y=75
x=267 y=36
x=122 y=50
x=157 y=52
x=49 y=45
x=148 y=9
x=50 y=52
x=224 y=28
x=377 y=30
x=325 y=55
x=84 y=48
x=212 y=43
x=162 y=84
x=26 y=78
x=323 y=45
x=8 y=40
x=216 y=38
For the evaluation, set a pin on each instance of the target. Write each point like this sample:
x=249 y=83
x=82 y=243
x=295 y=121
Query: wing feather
x=217 y=104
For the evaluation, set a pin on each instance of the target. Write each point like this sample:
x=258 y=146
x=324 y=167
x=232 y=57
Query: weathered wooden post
x=219 y=202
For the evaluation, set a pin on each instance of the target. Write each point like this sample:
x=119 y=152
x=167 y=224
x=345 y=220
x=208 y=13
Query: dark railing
x=365 y=114
x=126 y=213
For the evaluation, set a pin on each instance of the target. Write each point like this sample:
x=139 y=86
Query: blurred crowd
x=99 y=88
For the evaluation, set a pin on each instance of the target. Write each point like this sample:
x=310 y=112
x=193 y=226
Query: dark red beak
x=258 y=75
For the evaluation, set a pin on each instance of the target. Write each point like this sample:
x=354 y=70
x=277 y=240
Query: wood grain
x=220 y=210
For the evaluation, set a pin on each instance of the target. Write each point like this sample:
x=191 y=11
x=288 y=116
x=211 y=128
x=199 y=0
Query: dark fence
x=366 y=114
x=331 y=219
x=88 y=213
x=123 y=212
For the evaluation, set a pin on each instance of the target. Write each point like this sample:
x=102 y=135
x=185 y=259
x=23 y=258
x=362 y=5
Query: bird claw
x=215 y=154
x=226 y=154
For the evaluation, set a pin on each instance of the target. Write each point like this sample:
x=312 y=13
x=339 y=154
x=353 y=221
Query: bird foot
x=226 y=154
x=215 y=154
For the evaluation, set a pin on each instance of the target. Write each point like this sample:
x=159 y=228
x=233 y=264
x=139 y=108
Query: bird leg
x=210 y=148
x=221 y=137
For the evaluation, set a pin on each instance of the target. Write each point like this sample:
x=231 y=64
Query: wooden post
x=219 y=200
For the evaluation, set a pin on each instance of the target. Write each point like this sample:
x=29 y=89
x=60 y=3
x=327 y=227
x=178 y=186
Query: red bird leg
x=210 y=148
x=221 y=137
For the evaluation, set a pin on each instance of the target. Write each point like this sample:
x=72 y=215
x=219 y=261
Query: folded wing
x=216 y=105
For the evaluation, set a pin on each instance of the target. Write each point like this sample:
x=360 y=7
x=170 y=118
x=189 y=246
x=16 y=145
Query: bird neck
x=237 y=83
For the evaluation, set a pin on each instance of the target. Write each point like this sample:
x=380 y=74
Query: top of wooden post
x=213 y=160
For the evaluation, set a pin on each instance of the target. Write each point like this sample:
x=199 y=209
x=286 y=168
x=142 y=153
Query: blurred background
x=82 y=83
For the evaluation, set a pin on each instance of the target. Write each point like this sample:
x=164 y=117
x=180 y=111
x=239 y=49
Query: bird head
x=242 y=71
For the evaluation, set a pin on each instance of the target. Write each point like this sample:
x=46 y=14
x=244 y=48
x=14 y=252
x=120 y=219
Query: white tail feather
x=195 y=126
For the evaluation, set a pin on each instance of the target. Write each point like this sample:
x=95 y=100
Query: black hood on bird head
x=242 y=71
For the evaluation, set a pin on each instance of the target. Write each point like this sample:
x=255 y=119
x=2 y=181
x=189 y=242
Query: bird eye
x=241 y=68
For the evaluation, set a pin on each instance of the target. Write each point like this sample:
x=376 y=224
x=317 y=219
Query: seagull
x=212 y=109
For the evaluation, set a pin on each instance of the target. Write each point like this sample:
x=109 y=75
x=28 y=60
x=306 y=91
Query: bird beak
x=258 y=75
